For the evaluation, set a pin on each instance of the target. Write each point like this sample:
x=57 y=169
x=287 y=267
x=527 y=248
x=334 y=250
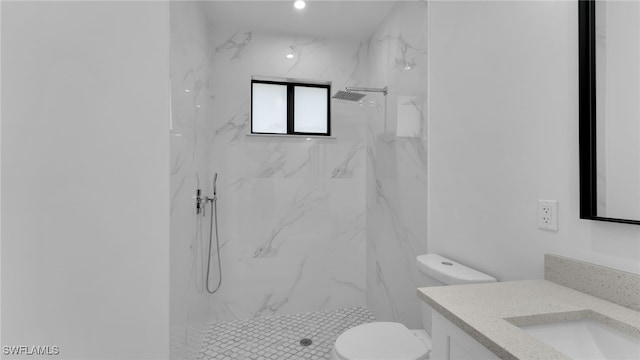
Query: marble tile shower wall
x=396 y=178
x=291 y=210
x=294 y=213
x=190 y=115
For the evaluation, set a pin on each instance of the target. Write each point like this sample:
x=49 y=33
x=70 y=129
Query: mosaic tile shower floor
x=278 y=337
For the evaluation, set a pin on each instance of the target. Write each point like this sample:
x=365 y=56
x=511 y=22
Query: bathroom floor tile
x=279 y=337
x=186 y=342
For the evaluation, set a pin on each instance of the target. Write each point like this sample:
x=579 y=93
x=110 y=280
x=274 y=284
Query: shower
x=201 y=203
x=353 y=93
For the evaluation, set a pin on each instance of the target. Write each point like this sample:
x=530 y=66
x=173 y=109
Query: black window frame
x=587 y=114
x=291 y=85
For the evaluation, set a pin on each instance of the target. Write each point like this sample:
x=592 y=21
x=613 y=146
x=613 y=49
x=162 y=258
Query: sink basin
x=586 y=339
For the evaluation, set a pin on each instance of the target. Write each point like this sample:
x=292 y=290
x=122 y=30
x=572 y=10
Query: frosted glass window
x=290 y=107
x=269 y=108
x=310 y=110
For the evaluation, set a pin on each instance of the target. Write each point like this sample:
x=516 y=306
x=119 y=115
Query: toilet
x=394 y=341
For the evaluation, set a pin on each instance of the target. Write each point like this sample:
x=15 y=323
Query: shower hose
x=214 y=218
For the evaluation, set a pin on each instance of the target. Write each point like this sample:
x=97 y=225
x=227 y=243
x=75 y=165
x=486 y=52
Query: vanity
x=578 y=311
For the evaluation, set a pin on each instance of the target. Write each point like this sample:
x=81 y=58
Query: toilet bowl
x=380 y=340
x=394 y=341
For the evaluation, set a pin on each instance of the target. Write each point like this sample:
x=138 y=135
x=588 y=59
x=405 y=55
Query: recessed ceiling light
x=289 y=56
x=299 y=4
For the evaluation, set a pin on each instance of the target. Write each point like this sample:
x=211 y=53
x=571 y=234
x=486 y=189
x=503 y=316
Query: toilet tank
x=436 y=270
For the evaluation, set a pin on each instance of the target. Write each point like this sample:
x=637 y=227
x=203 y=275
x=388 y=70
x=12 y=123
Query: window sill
x=293 y=136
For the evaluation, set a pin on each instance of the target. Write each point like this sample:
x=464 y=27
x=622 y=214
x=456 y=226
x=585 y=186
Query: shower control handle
x=199 y=202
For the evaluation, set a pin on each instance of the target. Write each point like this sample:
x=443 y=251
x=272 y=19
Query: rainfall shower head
x=348 y=95
x=351 y=95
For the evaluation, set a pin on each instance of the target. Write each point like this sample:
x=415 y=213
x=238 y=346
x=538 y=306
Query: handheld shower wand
x=215 y=180
x=201 y=203
x=214 y=219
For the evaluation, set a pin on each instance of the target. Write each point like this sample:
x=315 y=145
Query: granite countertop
x=491 y=312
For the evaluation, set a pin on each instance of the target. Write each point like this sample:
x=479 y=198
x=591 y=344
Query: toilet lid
x=380 y=340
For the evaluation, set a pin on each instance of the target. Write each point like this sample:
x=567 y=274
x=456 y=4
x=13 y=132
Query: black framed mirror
x=609 y=101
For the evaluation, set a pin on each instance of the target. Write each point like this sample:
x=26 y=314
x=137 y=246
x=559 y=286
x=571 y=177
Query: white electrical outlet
x=548 y=214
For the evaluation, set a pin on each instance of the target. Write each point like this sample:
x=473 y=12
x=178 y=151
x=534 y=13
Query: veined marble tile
x=190 y=122
x=292 y=220
x=304 y=225
x=396 y=174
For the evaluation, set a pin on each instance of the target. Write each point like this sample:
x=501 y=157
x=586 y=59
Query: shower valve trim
x=201 y=201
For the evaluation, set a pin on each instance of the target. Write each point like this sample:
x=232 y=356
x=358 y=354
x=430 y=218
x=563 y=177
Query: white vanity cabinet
x=451 y=343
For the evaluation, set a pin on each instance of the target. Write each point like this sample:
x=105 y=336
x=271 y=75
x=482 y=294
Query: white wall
x=504 y=133
x=85 y=187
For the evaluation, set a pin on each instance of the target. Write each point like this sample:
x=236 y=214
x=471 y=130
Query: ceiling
x=350 y=20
